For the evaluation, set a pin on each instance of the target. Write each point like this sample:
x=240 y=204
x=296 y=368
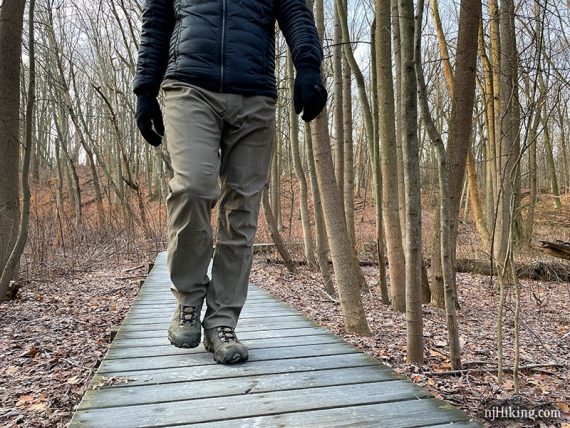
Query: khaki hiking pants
x=220 y=147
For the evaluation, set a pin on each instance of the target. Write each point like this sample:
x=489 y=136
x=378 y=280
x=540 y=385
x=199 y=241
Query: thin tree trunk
x=389 y=158
x=488 y=96
x=322 y=248
x=509 y=128
x=476 y=209
x=471 y=173
x=75 y=187
x=462 y=109
x=347 y=271
x=11 y=28
x=338 y=106
x=398 y=99
x=508 y=131
x=564 y=144
x=532 y=171
x=495 y=49
x=9 y=269
x=275 y=235
x=410 y=152
x=345 y=264
x=382 y=281
x=444 y=202
x=276 y=179
x=348 y=153
x=551 y=167
x=300 y=174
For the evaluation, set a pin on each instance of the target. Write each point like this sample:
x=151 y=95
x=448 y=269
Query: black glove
x=310 y=94
x=149 y=114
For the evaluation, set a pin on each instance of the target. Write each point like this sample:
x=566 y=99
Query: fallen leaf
x=73 y=380
x=24 y=399
x=30 y=352
x=38 y=407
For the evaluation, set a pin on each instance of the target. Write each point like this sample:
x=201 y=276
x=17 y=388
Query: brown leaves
x=52 y=339
x=477 y=321
x=31 y=403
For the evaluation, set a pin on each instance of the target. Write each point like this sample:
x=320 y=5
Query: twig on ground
x=507 y=369
x=133 y=268
x=328 y=296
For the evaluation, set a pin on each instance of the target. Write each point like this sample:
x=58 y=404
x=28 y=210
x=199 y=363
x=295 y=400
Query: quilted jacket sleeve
x=298 y=26
x=157 y=25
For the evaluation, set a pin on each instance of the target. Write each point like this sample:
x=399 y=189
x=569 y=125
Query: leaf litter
x=544 y=340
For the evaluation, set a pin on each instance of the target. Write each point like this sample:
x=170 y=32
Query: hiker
x=215 y=62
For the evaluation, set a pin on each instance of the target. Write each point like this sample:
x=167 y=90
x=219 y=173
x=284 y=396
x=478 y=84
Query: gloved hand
x=148 y=114
x=310 y=95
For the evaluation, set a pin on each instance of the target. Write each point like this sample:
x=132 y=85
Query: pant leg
x=247 y=144
x=193 y=132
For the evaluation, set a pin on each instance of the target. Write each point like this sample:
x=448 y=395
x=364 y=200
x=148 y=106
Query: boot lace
x=189 y=314
x=227 y=334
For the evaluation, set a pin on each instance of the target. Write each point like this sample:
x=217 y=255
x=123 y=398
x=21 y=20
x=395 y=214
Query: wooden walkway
x=298 y=375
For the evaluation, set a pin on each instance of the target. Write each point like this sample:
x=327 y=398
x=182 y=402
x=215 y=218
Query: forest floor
x=545 y=340
x=56 y=333
x=74 y=288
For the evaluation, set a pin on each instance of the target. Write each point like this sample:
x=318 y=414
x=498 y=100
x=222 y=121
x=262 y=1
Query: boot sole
x=183 y=343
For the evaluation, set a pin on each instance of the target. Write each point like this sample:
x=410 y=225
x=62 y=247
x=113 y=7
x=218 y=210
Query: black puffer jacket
x=222 y=45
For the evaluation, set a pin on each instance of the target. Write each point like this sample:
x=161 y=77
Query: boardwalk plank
x=168 y=349
x=240 y=406
x=198 y=355
x=160 y=330
x=162 y=340
x=400 y=414
x=210 y=370
x=284 y=321
x=148 y=394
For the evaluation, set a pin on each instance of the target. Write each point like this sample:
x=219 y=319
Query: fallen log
x=559 y=249
x=539 y=271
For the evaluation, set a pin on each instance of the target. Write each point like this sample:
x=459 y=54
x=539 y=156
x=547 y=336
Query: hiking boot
x=185 y=329
x=223 y=342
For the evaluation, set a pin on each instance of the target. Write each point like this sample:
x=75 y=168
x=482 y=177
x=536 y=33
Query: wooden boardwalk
x=298 y=375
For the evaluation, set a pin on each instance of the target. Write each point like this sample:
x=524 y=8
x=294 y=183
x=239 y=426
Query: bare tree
x=9 y=269
x=11 y=28
x=410 y=152
x=389 y=158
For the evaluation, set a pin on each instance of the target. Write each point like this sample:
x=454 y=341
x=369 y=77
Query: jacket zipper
x=222 y=45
